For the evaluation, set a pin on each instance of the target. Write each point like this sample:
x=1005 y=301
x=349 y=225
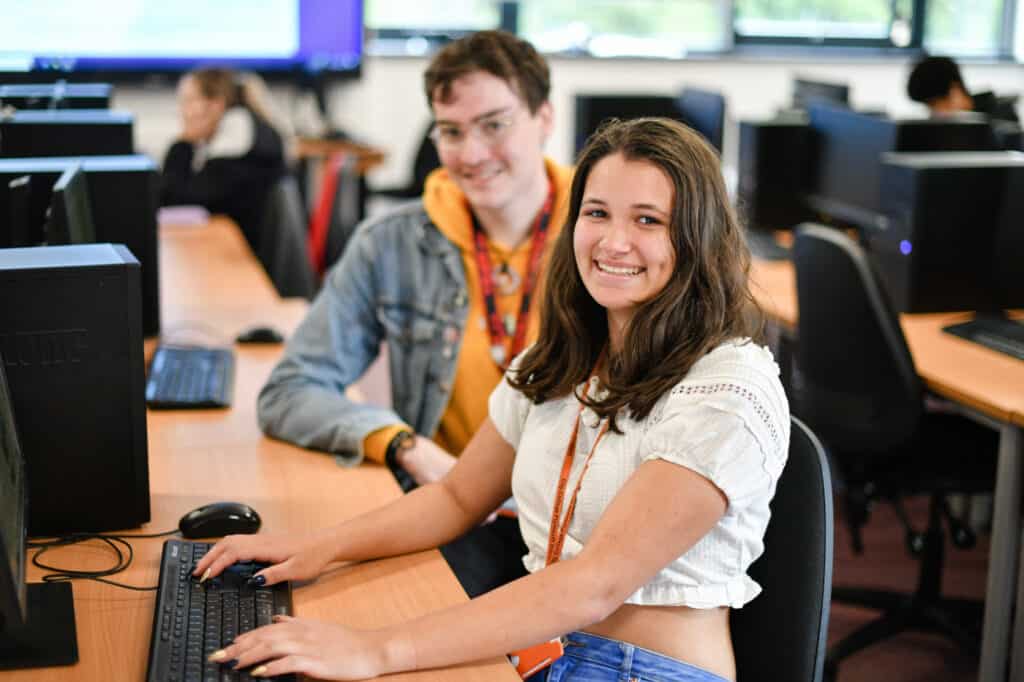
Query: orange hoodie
x=476 y=374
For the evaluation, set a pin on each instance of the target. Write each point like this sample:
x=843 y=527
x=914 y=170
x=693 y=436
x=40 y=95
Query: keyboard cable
x=124 y=553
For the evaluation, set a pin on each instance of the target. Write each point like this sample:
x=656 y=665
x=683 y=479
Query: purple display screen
x=265 y=35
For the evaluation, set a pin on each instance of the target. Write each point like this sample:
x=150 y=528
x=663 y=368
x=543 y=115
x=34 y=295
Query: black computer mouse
x=219 y=519
x=260 y=334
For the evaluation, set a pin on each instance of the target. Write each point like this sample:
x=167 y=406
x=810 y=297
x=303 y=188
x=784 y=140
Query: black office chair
x=780 y=635
x=854 y=383
x=425 y=162
x=282 y=249
x=346 y=210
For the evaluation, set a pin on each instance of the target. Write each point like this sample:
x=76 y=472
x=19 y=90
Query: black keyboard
x=192 y=621
x=190 y=377
x=999 y=334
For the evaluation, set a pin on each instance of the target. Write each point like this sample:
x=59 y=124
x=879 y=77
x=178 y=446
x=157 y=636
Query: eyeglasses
x=491 y=131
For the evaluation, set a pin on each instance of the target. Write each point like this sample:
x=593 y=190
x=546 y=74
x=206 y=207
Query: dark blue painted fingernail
x=233 y=663
x=258 y=580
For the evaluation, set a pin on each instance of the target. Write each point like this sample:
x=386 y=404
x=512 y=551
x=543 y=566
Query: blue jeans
x=589 y=658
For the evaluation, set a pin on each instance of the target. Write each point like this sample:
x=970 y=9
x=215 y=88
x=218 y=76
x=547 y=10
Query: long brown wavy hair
x=705 y=302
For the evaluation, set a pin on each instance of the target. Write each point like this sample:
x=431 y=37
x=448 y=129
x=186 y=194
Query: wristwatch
x=403 y=440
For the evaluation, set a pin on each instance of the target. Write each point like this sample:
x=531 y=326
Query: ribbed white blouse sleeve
x=732 y=432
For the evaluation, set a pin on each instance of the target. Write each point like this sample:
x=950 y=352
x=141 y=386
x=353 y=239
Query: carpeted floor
x=886 y=564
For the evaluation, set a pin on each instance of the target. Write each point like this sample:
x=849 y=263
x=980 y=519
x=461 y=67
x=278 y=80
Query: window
x=881 y=23
x=676 y=28
x=612 y=28
x=415 y=27
x=966 y=27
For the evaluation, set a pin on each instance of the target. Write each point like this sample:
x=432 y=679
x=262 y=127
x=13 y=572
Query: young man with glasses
x=448 y=283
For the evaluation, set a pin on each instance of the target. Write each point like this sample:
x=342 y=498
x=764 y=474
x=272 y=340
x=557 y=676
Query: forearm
x=561 y=598
x=296 y=409
x=426 y=518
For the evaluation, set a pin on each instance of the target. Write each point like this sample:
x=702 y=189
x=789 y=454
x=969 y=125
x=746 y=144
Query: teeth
x=617 y=271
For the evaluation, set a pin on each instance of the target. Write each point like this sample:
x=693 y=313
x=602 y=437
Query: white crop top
x=728 y=420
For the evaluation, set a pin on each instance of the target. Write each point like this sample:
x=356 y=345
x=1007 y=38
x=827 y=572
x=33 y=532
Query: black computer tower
x=124 y=192
x=67 y=132
x=71 y=340
x=940 y=246
x=775 y=169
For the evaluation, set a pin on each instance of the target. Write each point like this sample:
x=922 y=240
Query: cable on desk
x=112 y=541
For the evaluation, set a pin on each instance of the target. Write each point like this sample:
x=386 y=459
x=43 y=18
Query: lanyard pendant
x=510 y=325
x=498 y=354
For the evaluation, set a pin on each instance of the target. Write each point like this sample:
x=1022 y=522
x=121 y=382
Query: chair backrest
x=780 y=635
x=427 y=159
x=346 y=211
x=853 y=378
x=282 y=248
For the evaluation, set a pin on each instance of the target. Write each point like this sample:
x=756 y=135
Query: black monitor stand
x=48 y=636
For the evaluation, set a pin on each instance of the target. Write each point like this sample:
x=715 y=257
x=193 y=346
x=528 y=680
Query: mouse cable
x=123 y=561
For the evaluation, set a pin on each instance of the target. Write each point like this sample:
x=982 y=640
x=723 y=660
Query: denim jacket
x=400 y=281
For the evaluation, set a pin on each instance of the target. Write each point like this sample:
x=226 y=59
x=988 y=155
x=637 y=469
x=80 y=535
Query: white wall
x=386 y=107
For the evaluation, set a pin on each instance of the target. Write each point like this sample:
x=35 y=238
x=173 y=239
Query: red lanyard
x=559 y=529
x=539 y=234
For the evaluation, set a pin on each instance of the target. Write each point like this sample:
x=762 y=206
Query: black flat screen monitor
x=593 y=110
x=13 y=505
x=34 y=618
x=70 y=220
x=807 y=92
x=848 y=148
x=704 y=111
x=143 y=37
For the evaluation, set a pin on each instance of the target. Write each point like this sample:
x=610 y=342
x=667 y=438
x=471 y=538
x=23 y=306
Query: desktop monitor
x=807 y=92
x=123 y=191
x=954 y=238
x=59 y=95
x=704 y=111
x=65 y=132
x=70 y=218
x=593 y=110
x=846 y=181
x=37 y=621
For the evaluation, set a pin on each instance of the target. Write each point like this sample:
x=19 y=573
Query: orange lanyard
x=559 y=529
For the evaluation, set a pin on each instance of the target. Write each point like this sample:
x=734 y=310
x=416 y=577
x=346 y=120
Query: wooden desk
x=990 y=386
x=208 y=276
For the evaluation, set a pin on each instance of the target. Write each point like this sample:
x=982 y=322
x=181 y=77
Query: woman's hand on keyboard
x=290 y=557
x=325 y=651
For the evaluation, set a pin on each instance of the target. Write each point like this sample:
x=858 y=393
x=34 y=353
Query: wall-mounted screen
x=155 y=36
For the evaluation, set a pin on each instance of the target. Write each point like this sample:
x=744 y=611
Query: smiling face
x=499 y=155
x=621 y=240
